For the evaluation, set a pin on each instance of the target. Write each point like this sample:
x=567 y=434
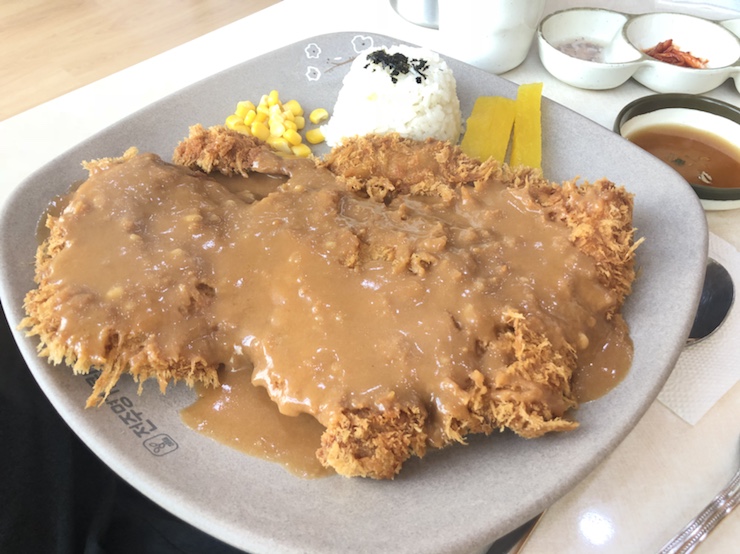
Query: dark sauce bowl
x=714 y=198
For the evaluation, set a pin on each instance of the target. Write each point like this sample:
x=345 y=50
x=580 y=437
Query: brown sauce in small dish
x=702 y=158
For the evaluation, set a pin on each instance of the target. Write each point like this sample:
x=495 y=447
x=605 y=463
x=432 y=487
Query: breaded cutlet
x=366 y=440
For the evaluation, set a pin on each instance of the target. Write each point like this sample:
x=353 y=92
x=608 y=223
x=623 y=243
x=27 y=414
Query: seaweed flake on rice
x=401 y=89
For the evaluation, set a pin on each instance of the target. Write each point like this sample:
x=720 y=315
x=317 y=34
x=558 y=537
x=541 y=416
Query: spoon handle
x=699 y=527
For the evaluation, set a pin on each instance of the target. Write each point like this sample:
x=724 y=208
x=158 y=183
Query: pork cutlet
x=417 y=319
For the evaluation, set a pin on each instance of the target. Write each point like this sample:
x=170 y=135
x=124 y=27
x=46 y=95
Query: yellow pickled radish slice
x=526 y=144
x=488 y=128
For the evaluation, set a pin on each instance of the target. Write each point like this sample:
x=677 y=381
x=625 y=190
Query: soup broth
x=701 y=158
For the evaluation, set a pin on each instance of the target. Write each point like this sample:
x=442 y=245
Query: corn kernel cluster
x=278 y=124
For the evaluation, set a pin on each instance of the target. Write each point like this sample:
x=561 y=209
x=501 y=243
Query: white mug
x=494 y=35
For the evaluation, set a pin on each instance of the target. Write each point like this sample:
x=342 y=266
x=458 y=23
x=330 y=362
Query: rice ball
x=402 y=89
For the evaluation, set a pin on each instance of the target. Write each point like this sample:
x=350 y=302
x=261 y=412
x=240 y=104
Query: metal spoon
x=717 y=296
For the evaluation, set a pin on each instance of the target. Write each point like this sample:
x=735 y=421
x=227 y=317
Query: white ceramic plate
x=455 y=500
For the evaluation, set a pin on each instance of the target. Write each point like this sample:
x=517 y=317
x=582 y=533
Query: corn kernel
x=232 y=121
x=277 y=128
x=301 y=150
x=293 y=107
x=279 y=144
x=114 y=293
x=319 y=115
x=279 y=124
x=193 y=218
x=292 y=137
x=274 y=119
x=243 y=107
x=315 y=136
x=250 y=117
x=260 y=130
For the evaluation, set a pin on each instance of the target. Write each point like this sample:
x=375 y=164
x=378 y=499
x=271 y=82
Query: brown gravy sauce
x=312 y=282
x=243 y=417
x=700 y=157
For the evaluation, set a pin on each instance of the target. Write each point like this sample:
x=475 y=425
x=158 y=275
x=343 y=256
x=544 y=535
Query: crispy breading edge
x=218 y=149
x=124 y=353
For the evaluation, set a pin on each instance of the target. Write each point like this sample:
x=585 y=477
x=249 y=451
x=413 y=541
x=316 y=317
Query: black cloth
x=57 y=497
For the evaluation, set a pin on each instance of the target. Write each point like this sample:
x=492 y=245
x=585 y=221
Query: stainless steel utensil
x=699 y=528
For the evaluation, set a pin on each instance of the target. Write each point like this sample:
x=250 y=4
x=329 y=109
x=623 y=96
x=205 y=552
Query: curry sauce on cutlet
x=428 y=316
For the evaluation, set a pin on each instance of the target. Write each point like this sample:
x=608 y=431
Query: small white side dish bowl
x=583 y=27
x=622 y=40
x=707 y=115
x=700 y=37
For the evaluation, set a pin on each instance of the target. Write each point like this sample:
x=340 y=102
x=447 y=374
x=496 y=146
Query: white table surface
x=664 y=472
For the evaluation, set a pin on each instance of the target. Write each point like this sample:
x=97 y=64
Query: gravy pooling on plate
x=398 y=324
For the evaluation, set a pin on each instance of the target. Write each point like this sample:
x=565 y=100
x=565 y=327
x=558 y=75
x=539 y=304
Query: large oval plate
x=455 y=500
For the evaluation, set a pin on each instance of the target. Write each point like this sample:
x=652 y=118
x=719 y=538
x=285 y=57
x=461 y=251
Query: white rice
x=417 y=104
